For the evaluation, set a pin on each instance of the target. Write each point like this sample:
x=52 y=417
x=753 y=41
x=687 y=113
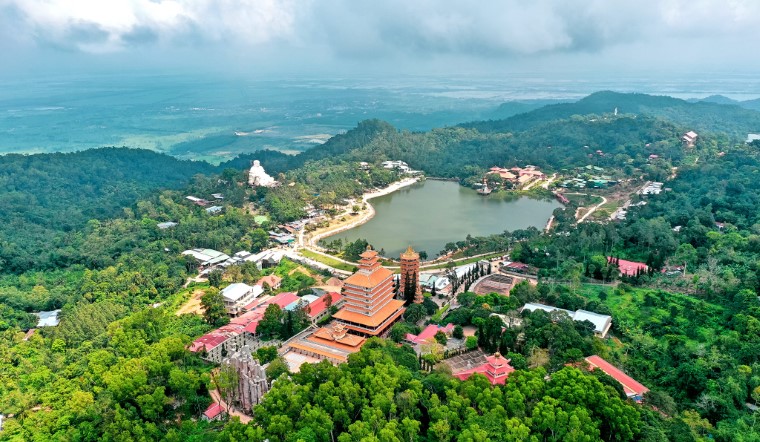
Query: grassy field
x=463 y=261
x=334 y=263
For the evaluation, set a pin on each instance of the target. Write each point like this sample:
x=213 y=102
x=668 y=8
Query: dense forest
x=80 y=232
x=45 y=197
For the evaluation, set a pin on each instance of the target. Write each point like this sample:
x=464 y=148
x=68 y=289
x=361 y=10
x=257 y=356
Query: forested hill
x=467 y=153
x=339 y=146
x=43 y=196
x=700 y=116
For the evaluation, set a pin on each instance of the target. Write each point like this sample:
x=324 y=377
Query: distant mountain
x=717 y=99
x=510 y=108
x=731 y=119
x=720 y=99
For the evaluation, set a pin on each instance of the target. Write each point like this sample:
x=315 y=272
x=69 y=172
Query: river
x=429 y=214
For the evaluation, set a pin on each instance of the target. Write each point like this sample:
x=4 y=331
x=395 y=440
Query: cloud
x=116 y=25
x=364 y=30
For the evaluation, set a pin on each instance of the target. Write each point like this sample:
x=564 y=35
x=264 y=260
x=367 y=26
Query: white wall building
x=238 y=295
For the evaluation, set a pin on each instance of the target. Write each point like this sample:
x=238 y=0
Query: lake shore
x=364 y=217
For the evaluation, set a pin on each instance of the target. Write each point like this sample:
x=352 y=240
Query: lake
x=430 y=214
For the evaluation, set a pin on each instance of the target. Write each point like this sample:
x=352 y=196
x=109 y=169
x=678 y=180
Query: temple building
x=257 y=176
x=496 y=369
x=331 y=343
x=410 y=273
x=370 y=308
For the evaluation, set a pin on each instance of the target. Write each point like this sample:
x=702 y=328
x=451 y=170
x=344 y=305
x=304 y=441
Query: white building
x=238 y=295
x=48 y=319
x=207 y=257
x=257 y=176
x=602 y=323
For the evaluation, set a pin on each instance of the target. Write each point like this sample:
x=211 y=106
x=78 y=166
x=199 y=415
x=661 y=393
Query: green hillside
x=45 y=196
x=731 y=119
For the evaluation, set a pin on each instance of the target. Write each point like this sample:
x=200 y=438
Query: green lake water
x=430 y=214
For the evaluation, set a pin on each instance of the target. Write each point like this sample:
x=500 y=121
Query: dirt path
x=193 y=305
x=593 y=209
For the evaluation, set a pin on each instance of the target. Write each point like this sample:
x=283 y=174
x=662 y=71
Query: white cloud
x=363 y=29
x=110 y=25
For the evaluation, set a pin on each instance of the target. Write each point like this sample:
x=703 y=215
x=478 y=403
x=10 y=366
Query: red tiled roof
x=628 y=268
x=270 y=280
x=283 y=299
x=517 y=265
x=429 y=333
x=631 y=386
x=496 y=369
x=320 y=305
x=213 y=410
x=208 y=341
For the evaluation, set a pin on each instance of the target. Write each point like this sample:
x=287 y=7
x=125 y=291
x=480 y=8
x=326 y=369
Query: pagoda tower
x=410 y=273
x=370 y=307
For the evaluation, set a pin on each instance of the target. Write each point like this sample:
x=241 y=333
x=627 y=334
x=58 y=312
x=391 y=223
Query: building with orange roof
x=496 y=369
x=369 y=308
x=333 y=343
x=273 y=281
x=633 y=389
x=410 y=273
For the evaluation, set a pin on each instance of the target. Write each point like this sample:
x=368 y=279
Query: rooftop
x=370 y=321
x=429 y=333
x=48 y=319
x=213 y=411
x=631 y=387
x=628 y=268
x=602 y=323
x=369 y=279
x=320 y=305
x=238 y=290
x=496 y=369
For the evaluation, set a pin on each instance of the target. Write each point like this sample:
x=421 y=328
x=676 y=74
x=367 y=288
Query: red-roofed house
x=632 y=388
x=496 y=369
x=428 y=334
x=628 y=268
x=283 y=299
x=320 y=308
x=213 y=412
x=273 y=281
x=241 y=330
x=517 y=267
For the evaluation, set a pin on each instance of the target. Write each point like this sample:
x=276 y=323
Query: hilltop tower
x=410 y=274
x=370 y=308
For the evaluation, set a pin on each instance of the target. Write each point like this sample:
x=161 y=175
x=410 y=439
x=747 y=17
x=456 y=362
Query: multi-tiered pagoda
x=370 y=307
x=410 y=274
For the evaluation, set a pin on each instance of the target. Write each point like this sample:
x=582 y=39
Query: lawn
x=332 y=262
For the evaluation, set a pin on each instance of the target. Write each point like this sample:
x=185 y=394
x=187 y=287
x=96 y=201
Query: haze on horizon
x=346 y=37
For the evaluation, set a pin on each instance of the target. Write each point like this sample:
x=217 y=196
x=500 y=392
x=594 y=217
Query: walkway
x=593 y=209
x=244 y=418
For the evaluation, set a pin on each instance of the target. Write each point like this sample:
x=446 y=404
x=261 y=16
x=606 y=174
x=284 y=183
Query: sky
x=342 y=37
